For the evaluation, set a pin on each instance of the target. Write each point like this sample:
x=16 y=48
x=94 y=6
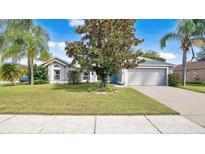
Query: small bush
x=73 y=76
x=97 y=88
x=40 y=82
x=110 y=88
x=173 y=80
x=10 y=72
x=40 y=73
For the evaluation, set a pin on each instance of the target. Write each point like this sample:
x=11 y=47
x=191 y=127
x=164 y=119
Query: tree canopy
x=106 y=46
x=152 y=55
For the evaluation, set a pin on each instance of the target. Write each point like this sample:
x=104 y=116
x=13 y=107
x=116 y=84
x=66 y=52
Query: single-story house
x=151 y=72
x=58 y=70
x=195 y=71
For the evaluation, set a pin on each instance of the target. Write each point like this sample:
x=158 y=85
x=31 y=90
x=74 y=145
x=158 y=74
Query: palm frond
x=198 y=41
x=169 y=37
x=186 y=27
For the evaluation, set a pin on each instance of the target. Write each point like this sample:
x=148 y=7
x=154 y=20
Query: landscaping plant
x=108 y=88
x=73 y=76
x=40 y=74
x=10 y=72
x=173 y=80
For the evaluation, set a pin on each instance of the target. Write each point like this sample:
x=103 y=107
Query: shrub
x=173 y=80
x=97 y=88
x=10 y=72
x=73 y=76
x=40 y=74
x=40 y=82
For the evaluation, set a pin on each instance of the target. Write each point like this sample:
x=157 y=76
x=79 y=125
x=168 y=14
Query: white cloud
x=58 y=49
x=168 y=55
x=52 y=44
x=76 y=22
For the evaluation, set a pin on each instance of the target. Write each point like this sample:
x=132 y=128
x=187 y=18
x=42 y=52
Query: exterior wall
x=63 y=73
x=50 y=72
x=171 y=70
x=191 y=75
x=93 y=77
x=121 y=77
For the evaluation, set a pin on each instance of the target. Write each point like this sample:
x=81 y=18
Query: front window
x=86 y=76
x=56 y=74
x=56 y=66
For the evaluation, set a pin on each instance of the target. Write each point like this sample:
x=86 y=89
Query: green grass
x=76 y=100
x=194 y=87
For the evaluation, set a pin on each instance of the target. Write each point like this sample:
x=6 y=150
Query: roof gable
x=56 y=59
x=152 y=62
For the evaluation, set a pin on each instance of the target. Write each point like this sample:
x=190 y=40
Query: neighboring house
x=58 y=70
x=151 y=72
x=195 y=71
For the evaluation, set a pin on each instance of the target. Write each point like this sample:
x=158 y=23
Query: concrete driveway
x=16 y=124
x=188 y=103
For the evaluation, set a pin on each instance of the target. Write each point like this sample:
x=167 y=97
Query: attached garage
x=146 y=76
x=149 y=73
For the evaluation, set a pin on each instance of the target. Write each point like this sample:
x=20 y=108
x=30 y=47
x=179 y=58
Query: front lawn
x=194 y=87
x=76 y=100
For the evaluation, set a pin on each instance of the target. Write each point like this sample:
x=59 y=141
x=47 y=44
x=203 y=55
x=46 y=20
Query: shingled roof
x=192 y=65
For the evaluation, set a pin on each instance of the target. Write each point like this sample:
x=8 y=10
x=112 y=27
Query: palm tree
x=189 y=35
x=10 y=72
x=23 y=38
x=1 y=39
x=1 y=43
x=36 y=44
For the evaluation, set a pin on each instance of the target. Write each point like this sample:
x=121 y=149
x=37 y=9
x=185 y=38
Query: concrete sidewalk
x=188 y=103
x=10 y=124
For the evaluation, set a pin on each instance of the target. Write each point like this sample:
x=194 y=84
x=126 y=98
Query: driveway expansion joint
x=95 y=124
x=153 y=125
x=193 y=120
x=7 y=119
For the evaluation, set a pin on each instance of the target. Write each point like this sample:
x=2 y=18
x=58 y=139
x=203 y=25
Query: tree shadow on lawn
x=13 y=85
x=80 y=87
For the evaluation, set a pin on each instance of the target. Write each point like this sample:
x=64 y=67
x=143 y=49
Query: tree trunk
x=0 y=59
x=103 y=82
x=184 y=65
x=31 y=71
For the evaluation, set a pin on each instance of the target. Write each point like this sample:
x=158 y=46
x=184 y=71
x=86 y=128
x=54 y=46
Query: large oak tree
x=106 y=46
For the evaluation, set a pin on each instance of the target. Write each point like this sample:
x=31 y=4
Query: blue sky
x=151 y=30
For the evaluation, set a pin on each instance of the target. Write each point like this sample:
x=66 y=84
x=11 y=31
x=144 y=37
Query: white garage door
x=147 y=76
